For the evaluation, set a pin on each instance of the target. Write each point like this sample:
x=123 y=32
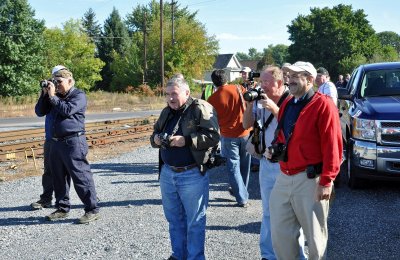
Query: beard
x=295 y=88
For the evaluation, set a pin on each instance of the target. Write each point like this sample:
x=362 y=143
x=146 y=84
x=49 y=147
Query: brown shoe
x=88 y=217
x=58 y=214
x=41 y=204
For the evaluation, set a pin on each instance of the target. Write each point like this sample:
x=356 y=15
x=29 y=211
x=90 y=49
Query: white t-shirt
x=261 y=115
x=329 y=89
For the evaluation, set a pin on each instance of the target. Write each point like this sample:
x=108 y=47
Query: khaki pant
x=293 y=205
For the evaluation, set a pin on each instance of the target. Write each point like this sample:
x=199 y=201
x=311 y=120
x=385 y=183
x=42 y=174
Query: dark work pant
x=68 y=161
x=47 y=178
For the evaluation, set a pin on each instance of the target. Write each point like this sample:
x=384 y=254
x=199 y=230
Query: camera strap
x=309 y=96
x=268 y=121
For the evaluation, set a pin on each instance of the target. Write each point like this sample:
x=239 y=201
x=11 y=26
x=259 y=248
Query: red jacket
x=317 y=137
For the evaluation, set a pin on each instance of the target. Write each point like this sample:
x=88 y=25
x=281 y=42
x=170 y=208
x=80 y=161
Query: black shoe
x=41 y=204
x=264 y=259
x=230 y=190
x=58 y=214
x=172 y=258
x=243 y=205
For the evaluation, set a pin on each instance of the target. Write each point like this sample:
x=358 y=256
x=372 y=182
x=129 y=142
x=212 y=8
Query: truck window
x=354 y=81
x=381 y=83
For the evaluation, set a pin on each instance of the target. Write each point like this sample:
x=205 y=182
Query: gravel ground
x=364 y=224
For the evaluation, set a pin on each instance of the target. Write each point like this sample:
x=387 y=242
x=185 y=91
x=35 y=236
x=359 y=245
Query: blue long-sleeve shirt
x=66 y=114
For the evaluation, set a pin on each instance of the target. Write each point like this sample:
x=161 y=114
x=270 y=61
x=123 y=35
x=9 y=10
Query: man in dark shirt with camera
x=185 y=132
x=308 y=146
x=66 y=105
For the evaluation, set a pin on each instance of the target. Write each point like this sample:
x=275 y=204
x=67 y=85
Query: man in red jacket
x=308 y=147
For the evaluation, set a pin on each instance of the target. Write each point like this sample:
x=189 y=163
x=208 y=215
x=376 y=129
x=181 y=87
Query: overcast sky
x=237 y=24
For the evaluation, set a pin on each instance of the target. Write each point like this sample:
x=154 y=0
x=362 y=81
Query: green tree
x=127 y=69
x=91 y=26
x=115 y=39
x=192 y=54
x=329 y=35
x=274 y=55
x=21 y=48
x=242 y=56
x=390 y=39
x=252 y=54
x=72 y=48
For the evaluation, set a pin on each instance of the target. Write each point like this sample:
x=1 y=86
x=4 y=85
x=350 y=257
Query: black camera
x=253 y=75
x=45 y=83
x=278 y=152
x=253 y=94
x=165 y=140
x=215 y=159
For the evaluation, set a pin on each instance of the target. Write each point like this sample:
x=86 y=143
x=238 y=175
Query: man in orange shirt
x=230 y=106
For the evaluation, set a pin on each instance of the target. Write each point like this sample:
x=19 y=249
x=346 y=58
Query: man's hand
x=51 y=89
x=177 y=141
x=157 y=140
x=323 y=192
x=267 y=103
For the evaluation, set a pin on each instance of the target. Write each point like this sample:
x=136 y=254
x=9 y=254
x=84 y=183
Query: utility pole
x=145 y=49
x=173 y=20
x=162 y=43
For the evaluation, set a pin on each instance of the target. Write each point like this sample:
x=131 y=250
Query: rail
x=21 y=144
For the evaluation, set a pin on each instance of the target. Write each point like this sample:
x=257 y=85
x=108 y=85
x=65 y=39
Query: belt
x=183 y=168
x=67 y=137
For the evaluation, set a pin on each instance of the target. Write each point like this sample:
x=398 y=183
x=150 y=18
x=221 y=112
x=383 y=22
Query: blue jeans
x=238 y=164
x=267 y=175
x=185 y=200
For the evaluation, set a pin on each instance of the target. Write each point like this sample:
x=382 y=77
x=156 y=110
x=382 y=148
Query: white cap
x=246 y=69
x=57 y=68
x=302 y=66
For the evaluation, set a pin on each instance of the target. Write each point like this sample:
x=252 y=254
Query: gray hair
x=178 y=82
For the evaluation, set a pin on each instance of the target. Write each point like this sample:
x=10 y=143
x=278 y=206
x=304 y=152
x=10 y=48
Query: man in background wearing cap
x=230 y=106
x=47 y=179
x=325 y=86
x=309 y=164
x=66 y=105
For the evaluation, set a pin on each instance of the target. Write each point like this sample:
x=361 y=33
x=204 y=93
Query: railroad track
x=23 y=144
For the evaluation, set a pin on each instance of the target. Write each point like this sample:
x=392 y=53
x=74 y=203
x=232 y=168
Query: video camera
x=253 y=94
x=253 y=75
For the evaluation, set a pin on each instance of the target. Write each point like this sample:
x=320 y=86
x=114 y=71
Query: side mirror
x=343 y=93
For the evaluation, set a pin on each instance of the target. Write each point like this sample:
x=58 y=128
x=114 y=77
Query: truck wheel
x=352 y=181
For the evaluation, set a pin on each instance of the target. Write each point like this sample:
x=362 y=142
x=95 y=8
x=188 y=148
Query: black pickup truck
x=370 y=117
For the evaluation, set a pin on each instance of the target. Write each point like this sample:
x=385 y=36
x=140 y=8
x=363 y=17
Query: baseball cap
x=57 y=68
x=245 y=69
x=302 y=66
x=322 y=71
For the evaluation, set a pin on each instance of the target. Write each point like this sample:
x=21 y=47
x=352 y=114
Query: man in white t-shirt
x=271 y=81
x=325 y=86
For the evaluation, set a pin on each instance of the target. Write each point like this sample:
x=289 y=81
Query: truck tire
x=352 y=181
